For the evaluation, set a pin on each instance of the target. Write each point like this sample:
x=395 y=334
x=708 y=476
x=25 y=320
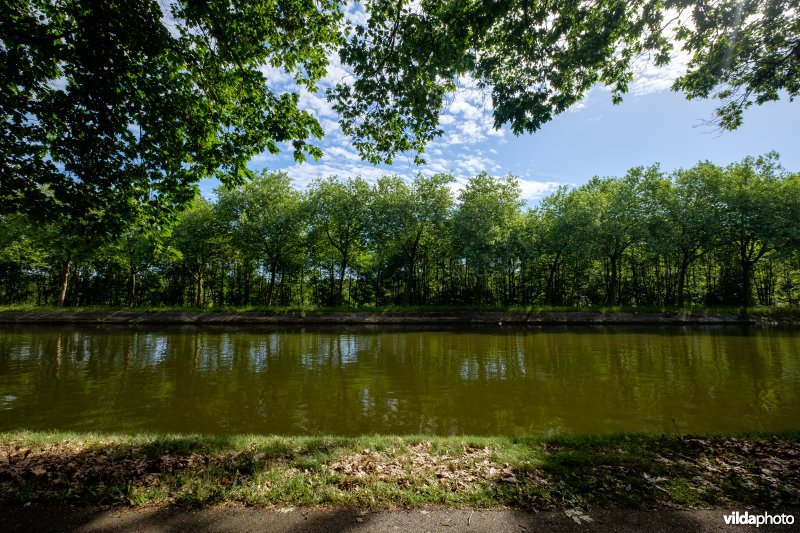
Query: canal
x=399 y=380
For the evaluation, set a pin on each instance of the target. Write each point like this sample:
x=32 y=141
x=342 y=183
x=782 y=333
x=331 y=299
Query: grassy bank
x=403 y=315
x=762 y=311
x=533 y=473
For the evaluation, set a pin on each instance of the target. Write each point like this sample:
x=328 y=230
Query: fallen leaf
x=578 y=516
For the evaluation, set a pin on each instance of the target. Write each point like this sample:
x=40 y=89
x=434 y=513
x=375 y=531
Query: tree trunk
x=611 y=297
x=199 y=295
x=62 y=295
x=247 y=284
x=331 y=284
x=273 y=270
x=551 y=296
x=408 y=297
x=132 y=288
x=746 y=266
x=682 y=279
x=342 y=272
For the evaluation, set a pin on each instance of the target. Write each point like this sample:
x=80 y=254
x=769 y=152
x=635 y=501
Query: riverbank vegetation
x=699 y=310
x=533 y=473
x=706 y=236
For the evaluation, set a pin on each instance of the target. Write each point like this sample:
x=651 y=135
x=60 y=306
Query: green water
x=348 y=381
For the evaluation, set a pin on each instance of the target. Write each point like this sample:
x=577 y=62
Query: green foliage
x=745 y=224
x=535 y=58
x=267 y=219
x=112 y=112
x=487 y=215
x=619 y=208
x=199 y=237
x=340 y=224
x=707 y=236
x=744 y=52
x=410 y=221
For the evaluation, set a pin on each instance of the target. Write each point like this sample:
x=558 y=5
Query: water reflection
x=295 y=381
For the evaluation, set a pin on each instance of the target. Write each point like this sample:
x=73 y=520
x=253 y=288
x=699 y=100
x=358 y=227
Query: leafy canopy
x=537 y=58
x=110 y=110
x=744 y=52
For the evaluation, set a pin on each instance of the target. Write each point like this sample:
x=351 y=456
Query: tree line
x=708 y=236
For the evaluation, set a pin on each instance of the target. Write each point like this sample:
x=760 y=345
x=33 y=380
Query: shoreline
x=533 y=318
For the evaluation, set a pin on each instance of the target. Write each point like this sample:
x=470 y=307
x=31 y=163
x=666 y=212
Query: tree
x=744 y=52
x=487 y=214
x=199 y=236
x=268 y=218
x=536 y=58
x=754 y=219
x=19 y=251
x=340 y=220
x=685 y=218
x=619 y=219
x=790 y=209
x=564 y=223
x=113 y=111
x=407 y=220
x=136 y=250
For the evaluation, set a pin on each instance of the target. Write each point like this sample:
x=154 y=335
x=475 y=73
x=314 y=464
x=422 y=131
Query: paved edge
x=315 y=519
x=420 y=318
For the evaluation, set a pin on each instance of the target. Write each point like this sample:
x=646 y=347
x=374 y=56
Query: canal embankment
x=397 y=318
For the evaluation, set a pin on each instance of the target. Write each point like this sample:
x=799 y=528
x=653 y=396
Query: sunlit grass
x=380 y=470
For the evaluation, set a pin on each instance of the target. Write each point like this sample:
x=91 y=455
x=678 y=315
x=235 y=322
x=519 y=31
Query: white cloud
x=535 y=190
x=578 y=106
x=469 y=113
x=356 y=14
x=277 y=77
x=303 y=175
x=473 y=165
x=466 y=120
x=461 y=106
x=649 y=78
x=339 y=152
x=497 y=133
x=336 y=71
x=317 y=105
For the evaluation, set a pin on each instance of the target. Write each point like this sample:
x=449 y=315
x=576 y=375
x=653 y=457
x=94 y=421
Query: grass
x=767 y=311
x=530 y=473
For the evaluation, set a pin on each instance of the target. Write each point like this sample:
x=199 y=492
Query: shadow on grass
x=526 y=474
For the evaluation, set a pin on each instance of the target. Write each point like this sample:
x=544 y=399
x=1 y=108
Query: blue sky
x=652 y=125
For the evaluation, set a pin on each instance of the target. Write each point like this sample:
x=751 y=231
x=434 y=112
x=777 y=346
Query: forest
x=703 y=236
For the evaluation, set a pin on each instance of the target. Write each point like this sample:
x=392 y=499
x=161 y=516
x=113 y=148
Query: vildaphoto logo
x=764 y=519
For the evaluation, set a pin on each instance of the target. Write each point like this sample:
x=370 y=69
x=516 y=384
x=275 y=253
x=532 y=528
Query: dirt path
x=235 y=519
